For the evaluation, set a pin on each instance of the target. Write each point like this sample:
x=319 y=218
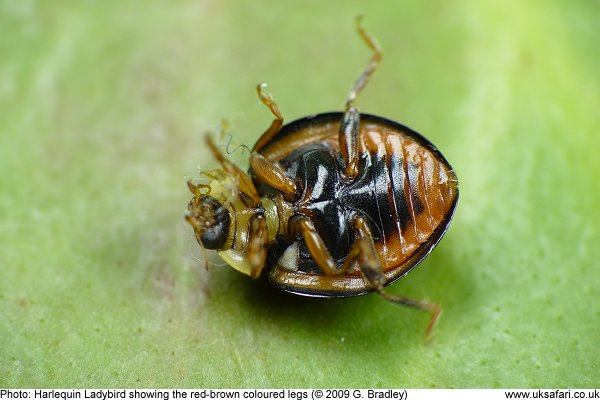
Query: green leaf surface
x=103 y=108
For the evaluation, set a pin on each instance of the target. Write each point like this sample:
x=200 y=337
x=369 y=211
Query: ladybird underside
x=412 y=190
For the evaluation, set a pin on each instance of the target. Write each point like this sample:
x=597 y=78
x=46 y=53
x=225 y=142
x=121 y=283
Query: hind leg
x=365 y=255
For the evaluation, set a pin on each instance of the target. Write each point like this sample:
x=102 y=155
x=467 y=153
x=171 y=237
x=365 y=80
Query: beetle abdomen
x=412 y=191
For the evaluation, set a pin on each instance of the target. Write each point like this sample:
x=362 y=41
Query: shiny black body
x=331 y=203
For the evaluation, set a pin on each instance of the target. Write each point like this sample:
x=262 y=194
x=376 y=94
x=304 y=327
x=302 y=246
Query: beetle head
x=210 y=221
x=223 y=216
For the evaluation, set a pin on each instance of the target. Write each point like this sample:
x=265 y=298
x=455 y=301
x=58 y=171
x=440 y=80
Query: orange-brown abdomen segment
x=421 y=191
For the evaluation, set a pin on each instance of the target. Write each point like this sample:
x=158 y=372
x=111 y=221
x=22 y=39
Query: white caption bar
x=296 y=394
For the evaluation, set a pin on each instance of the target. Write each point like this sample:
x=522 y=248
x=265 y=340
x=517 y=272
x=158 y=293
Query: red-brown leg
x=318 y=250
x=257 y=245
x=349 y=128
x=267 y=172
x=242 y=180
x=370 y=267
x=268 y=101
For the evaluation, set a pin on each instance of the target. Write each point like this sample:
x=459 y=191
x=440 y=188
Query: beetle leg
x=269 y=173
x=348 y=133
x=242 y=180
x=370 y=267
x=315 y=245
x=257 y=245
x=268 y=101
x=371 y=66
x=318 y=249
x=348 y=140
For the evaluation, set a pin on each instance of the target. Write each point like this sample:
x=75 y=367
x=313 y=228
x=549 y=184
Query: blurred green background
x=103 y=108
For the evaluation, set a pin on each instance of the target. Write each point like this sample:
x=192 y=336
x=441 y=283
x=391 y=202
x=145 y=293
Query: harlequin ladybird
x=335 y=204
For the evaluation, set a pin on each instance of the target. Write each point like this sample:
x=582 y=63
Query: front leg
x=242 y=180
x=257 y=245
x=277 y=123
x=268 y=172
